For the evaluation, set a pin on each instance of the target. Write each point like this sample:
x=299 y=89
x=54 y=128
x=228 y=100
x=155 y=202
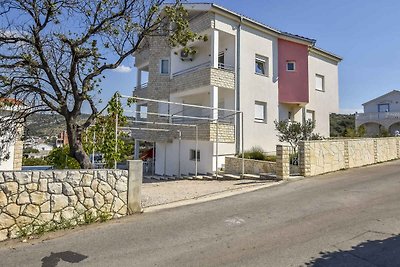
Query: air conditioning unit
x=185 y=55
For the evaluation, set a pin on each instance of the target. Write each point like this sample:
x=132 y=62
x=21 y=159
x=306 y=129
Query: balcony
x=203 y=75
x=383 y=118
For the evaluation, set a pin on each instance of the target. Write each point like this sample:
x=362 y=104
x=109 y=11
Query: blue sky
x=365 y=33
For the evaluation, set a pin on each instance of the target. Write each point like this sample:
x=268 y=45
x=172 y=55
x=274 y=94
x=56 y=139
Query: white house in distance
x=246 y=66
x=13 y=149
x=381 y=113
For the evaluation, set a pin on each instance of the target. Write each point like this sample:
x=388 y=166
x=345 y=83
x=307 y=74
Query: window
x=143 y=112
x=221 y=60
x=260 y=111
x=310 y=115
x=193 y=154
x=291 y=66
x=319 y=82
x=383 y=108
x=164 y=66
x=261 y=65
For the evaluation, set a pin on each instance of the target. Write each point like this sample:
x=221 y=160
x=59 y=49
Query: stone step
x=250 y=176
x=268 y=176
x=231 y=177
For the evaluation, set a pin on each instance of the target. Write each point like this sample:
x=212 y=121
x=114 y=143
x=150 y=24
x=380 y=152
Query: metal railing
x=142 y=86
x=205 y=65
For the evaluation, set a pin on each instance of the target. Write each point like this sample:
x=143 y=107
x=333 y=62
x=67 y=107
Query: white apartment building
x=381 y=114
x=244 y=66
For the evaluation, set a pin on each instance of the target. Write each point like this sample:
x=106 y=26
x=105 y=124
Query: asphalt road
x=347 y=218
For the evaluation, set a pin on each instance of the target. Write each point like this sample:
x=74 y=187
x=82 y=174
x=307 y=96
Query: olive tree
x=293 y=132
x=55 y=53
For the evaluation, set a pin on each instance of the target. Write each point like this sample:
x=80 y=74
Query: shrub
x=257 y=153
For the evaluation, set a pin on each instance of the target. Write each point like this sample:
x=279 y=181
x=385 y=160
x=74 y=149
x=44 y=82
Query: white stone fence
x=323 y=156
x=30 y=200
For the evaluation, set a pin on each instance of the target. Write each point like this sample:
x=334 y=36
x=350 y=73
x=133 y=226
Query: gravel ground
x=163 y=192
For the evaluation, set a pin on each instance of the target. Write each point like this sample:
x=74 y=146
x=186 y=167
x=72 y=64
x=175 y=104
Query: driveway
x=347 y=218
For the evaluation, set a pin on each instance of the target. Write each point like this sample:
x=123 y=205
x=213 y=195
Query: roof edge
x=376 y=98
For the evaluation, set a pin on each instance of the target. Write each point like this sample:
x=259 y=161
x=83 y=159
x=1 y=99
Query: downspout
x=237 y=85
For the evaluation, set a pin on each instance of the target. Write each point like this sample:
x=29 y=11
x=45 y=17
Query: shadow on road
x=67 y=256
x=370 y=253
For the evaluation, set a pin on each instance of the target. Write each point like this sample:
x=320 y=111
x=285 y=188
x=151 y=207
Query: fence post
x=282 y=162
x=135 y=177
x=304 y=158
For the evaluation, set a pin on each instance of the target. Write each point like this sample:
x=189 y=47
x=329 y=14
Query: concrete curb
x=209 y=197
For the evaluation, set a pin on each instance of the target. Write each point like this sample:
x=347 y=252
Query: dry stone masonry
x=36 y=198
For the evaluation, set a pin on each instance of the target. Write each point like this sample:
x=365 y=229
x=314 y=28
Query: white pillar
x=138 y=79
x=214 y=102
x=214 y=48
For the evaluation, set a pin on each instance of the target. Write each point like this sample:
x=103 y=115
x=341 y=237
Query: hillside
x=45 y=124
x=340 y=122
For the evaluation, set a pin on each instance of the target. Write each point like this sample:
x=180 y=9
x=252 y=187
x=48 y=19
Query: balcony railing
x=205 y=65
x=373 y=116
x=142 y=86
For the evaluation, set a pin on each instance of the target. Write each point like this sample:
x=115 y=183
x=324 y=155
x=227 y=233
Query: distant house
x=11 y=154
x=62 y=139
x=381 y=114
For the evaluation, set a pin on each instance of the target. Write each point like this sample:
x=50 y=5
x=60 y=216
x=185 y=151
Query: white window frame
x=312 y=113
x=265 y=62
x=161 y=66
x=291 y=62
x=143 y=110
x=323 y=82
x=264 y=105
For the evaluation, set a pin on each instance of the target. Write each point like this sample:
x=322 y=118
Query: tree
x=60 y=158
x=54 y=53
x=101 y=136
x=293 y=132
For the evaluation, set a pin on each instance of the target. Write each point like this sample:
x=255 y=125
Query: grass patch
x=257 y=153
x=38 y=229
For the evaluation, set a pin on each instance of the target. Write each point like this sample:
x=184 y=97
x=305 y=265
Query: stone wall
x=317 y=157
x=233 y=165
x=202 y=22
x=204 y=76
x=36 y=198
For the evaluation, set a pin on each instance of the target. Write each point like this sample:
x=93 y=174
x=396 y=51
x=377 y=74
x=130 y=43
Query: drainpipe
x=237 y=85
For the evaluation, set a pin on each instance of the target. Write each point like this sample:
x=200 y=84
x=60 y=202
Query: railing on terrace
x=203 y=66
x=142 y=86
x=377 y=116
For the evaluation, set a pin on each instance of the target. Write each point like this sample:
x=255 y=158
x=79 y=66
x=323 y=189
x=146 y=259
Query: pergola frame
x=170 y=123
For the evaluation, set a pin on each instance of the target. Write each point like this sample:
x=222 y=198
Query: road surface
x=347 y=218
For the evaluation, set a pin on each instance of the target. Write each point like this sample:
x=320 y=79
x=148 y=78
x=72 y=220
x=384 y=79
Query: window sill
x=259 y=74
x=263 y=122
x=319 y=90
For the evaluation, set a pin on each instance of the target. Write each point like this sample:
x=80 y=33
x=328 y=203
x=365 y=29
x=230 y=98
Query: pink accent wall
x=293 y=85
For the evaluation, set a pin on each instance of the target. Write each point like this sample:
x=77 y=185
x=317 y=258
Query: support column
x=138 y=79
x=214 y=48
x=214 y=102
x=282 y=162
x=304 y=159
x=135 y=177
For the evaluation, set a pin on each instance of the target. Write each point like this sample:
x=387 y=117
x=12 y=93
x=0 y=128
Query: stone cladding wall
x=36 y=198
x=233 y=165
x=317 y=157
